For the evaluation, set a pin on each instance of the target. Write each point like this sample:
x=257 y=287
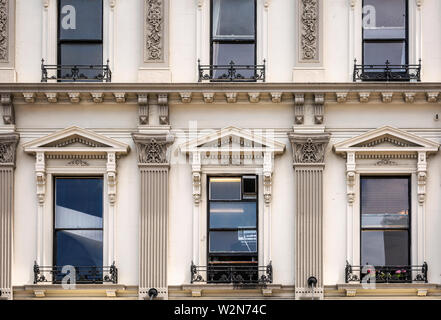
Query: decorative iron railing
x=231 y=72
x=387 y=72
x=234 y=274
x=386 y=274
x=77 y=73
x=83 y=275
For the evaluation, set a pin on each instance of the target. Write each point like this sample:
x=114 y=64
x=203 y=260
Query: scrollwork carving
x=4 y=39
x=8 y=145
x=309 y=149
x=152 y=149
x=154 y=19
x=309 y=29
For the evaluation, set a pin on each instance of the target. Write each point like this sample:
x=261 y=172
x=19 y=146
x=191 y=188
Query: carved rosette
x=8 y=145
x=309 y=29
x=4 y=30
x=152 y=149
x=153 y=28
x=309 y=149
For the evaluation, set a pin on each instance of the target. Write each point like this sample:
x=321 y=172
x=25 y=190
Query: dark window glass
x=233 y=37
x=233 y=18
x=232 y=219
x=80 y=39
x=385 y=32
x=81 y=20
x=78 y=223
x=385 y=222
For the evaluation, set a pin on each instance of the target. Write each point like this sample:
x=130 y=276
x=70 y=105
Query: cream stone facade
x=156 y=130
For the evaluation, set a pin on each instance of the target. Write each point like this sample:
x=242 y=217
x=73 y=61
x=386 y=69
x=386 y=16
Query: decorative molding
x=78 y=162
x=208 y=97
x=364 y=97
x=143 y=100
x=111 y=177
x=4 y=31
x=52 y=97
x=276 y=97
x=268 y=165
x=185 y=97
x=120 y=97
x=152 y=149
x=97 y=97
x=432 y=97
x=386 y=97
x=341 y=97
x=319 y=100
x=422 y=176
x=8 y=109
x=409 y=97
x=386 y=162
x=8 y=146
x=154 y=30
x=310 y=26
x=254 y=97
x=299 y=112
x=74 y=97
x=309 y=149
x=231 y=97
x=29 y=97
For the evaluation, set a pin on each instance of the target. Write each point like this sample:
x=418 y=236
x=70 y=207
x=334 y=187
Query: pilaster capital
x=8 y=146
x=152 y=148
x=309 y=149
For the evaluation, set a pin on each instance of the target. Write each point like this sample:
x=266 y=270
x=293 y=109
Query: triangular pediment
x=233 y=139
x=386 y=139
x=75 y=139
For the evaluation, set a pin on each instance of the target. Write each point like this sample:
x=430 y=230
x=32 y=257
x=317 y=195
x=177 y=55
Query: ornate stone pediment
x=234 y=140
x=386 y=140
x=75 y=140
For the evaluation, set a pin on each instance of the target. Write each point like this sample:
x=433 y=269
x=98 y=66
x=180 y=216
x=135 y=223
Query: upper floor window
x=385 y=223
x=233 y=41
x=80 y=42
x=385 y=41
x=232 y=225
x=78 y=227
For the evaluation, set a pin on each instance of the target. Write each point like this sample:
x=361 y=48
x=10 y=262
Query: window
x=232 y=226
x=385 y=221
x=385 y=37
x=78 y=226
x=233 y=36
x=80 y=40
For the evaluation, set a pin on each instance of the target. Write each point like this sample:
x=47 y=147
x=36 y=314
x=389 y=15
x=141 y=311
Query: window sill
x=388 y=289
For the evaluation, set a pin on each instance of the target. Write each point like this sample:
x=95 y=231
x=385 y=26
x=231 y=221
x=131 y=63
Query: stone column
x=8 y=144
x=308 y=153
x=153 y=230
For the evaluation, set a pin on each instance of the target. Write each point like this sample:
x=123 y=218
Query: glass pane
x=384 y=19
x=79 y=248
x=233 y=241
x=233 y=18
x=81 y=20
x=380 y=52
x=82 y=54
x=232 y=214
x=225 y=188
x=240 y=54
x=78 y=203
x=383 y=248
x=385 y=202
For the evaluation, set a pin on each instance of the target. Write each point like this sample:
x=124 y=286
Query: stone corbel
x=29 y=97
x=276 y=97
x=185 y=97
x=299 y=114
x=120 y=97
x=8 y=109
x=422 y=177
x=143 y=108
x=341 y=97
x=196 y=174
x=208 y=97
x=111 y=177
x=432 y=97
x=231 y=97
x=40 y=175
x=319 y=101
x=97 y=97
x=386 y=97
x=254 y=97
x=52 y=97
x=163 y=109
x=267 y=177
x=409 y=97
x=74 y=97
x=364 y=97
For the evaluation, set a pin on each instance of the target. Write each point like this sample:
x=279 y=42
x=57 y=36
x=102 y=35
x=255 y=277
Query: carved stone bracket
x=319 y=101
x=143 y=108
x=40 y=176
x=309 y=149
x=8 y=109
x=422 y=176
x=299 y=113
x=8 y=146
x=350 y=177
x=111 y=177
x=268 y=165
x=163 y=109
x=196 y=176
x=152 y=149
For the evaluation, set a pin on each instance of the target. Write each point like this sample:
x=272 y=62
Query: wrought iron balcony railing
x=387 y=72
x=234 y=274
x=386 y=274
x=83 y=275
x=231 y=72
x=76 y=73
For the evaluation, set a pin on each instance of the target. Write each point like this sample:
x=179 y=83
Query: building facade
x=206 y=149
